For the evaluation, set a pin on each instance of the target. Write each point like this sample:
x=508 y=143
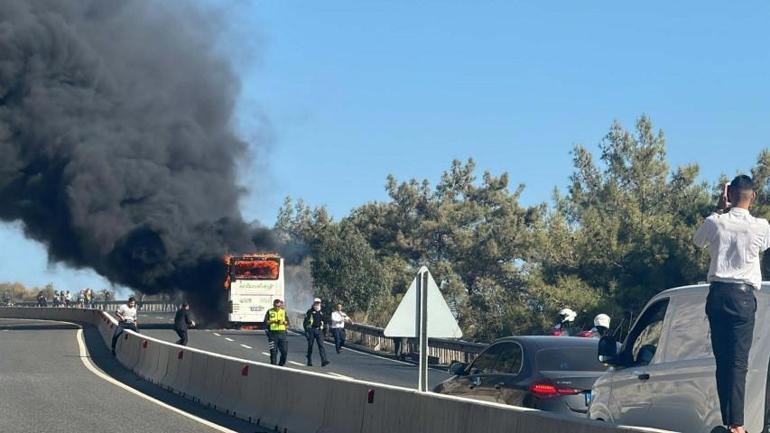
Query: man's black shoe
x=309 y=364
x=324 y=363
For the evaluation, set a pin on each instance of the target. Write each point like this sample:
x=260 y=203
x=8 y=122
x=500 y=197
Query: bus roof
x=253 y=256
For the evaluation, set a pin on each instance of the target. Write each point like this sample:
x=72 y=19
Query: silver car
x=663 y=374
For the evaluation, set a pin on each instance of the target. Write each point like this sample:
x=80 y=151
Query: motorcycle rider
x=563 y=327
x=601 y=326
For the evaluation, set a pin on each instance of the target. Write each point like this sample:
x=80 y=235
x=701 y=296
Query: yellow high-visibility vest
x=280 y=316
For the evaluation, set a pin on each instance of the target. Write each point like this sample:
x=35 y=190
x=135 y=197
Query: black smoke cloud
x=116 y=141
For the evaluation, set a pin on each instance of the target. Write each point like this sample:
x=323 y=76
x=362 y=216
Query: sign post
x=423 y=313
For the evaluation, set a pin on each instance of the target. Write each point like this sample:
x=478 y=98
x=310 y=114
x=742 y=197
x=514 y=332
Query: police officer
x=314 y=328
x=563 y=327
x=276 y=324
x=601 y=326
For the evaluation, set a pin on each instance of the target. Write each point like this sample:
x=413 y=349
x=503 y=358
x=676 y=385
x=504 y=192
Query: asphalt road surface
x=47 y=386
x=252 y=345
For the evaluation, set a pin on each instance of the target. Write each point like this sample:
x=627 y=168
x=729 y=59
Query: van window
x=642 y=342
x=689 y=334
x=500 y=358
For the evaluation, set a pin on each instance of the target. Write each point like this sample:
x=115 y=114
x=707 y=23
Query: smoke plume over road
x=117 y=143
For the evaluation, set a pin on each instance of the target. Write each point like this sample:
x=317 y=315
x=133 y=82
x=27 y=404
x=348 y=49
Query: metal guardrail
x=148 y=306
x=445 y=350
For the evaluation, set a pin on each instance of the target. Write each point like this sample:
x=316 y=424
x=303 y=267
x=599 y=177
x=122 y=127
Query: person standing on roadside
x=276 y=328
x=126 y=320
x=182 y=323
x=339 y=318
x=735 y=240
x=314 y=331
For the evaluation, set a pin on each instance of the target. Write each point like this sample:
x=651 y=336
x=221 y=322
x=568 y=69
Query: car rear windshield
x=569 y=359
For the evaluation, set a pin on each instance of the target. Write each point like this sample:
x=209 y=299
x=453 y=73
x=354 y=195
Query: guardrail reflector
x=245 y=370
x=126 y=337
x=180 y=355
x=370 y=396
x=144 y=344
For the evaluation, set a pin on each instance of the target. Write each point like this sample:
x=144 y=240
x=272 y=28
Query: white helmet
x=567 y=315
x=602 y=320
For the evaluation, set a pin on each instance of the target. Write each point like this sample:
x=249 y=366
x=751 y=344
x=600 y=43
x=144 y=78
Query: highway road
x=252 y=345
x=50 y=383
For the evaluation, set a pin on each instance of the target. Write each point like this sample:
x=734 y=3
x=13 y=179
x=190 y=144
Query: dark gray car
x=541 y=372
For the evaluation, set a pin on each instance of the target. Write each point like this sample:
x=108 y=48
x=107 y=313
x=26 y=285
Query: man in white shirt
x=735 y=240
x=126 y=320
x=338 y=327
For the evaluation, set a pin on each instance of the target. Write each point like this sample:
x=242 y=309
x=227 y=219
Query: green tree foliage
x=627 y=223
x=621 y=233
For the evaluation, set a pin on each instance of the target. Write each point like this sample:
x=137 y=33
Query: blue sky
x=356 y=90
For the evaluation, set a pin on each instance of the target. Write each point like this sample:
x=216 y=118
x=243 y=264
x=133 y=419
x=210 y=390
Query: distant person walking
x=88 y=298
x=339 y=318
x=314 y=329
x=276 y=328
x=126 y=320
x=735 y=240
x=41 y=301
x=182 y=323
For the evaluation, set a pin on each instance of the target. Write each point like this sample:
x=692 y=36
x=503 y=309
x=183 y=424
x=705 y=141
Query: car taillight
x=545 y=390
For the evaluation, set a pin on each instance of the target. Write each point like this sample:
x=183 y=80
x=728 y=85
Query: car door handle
x=643 y=376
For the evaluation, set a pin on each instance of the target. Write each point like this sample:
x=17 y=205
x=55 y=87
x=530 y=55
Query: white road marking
x=229 y=339
x=338 y=375
x=85 y=358
x=218 y=335
x=296 y=363
x=247 y=347
x=265 y=353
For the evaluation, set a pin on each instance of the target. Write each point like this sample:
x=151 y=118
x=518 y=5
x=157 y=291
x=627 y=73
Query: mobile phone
x=726 y=195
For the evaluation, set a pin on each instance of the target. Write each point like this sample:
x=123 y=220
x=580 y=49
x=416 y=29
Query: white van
x=663 y=374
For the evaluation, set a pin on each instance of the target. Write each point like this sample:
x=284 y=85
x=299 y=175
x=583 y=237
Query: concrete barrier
x=178 y=376
x=306 y=402
x=156 y=375
x=149 y=355
x=234 y=378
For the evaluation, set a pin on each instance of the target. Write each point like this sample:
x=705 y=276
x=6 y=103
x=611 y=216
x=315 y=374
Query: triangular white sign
x=441 y=322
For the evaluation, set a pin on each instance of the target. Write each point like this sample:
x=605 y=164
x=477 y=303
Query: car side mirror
x=458 y=368
x=608 y=350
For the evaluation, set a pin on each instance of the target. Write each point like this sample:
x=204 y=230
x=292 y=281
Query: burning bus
x=253 y=281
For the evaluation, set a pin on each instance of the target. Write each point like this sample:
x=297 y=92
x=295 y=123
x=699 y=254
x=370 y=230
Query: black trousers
x=730 y=311
x=315 y=335
x=119 y=331
x=182 y=333
x=276 y=341
x=339 y=338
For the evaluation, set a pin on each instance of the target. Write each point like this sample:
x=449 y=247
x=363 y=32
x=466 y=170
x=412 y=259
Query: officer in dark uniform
x=314 y=331
x=276 y=326
x=182 y=322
